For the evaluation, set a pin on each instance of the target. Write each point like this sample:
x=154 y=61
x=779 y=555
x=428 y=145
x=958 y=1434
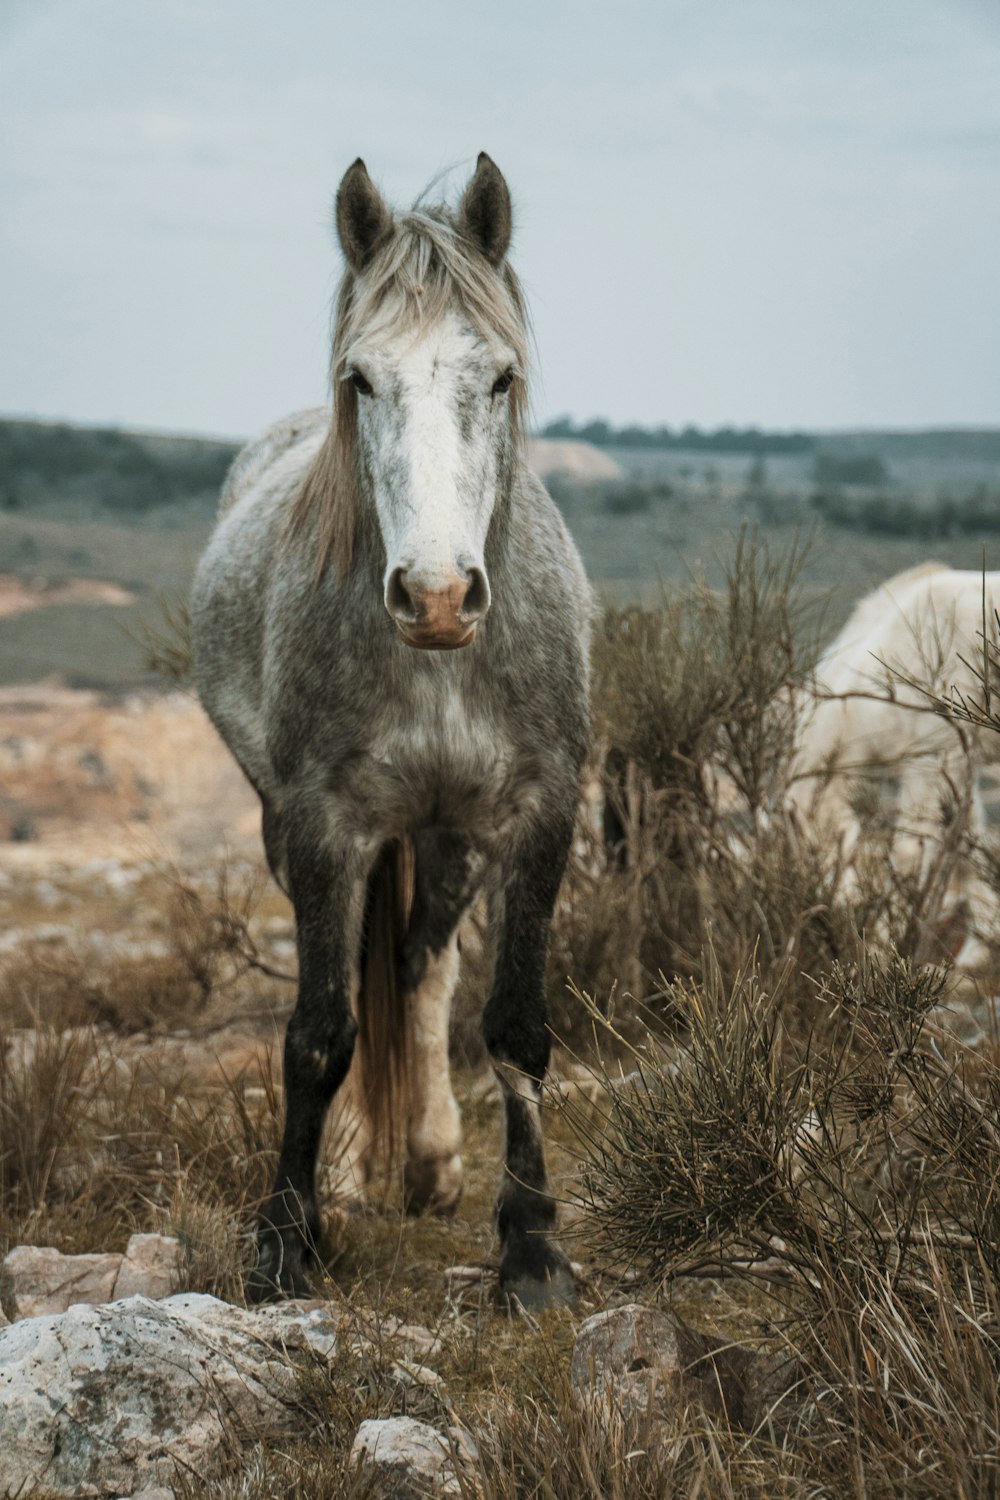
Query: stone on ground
x=405 y=1459
x=37 y=1280
x=638 y=1360
x=118 y=1399
x=150 y=1268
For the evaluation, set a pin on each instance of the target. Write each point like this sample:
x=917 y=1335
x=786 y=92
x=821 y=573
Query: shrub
x=850 y=468
x=853 y=1174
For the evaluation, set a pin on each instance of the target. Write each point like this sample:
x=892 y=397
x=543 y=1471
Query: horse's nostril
x=477 y=598
x=397 y=597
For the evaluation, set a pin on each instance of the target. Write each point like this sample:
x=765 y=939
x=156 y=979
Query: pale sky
x=782 y=212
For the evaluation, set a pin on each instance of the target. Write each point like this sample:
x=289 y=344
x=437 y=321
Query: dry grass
x=97 y=1145
x=164 y=645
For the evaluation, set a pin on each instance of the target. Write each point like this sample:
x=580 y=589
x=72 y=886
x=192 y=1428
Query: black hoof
x=282 y=1269
x=534 y=1282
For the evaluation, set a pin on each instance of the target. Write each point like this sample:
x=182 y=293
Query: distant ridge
x=891 y=442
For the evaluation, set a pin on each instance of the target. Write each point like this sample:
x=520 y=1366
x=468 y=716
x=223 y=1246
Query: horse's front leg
x=515 y=1026
x=327 y=887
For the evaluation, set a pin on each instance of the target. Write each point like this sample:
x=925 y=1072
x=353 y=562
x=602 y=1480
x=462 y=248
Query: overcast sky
x=783 y=212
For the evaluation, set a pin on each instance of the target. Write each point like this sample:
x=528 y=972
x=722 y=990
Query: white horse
x=920 y=629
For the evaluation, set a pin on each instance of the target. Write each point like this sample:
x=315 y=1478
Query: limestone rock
x=407 y=1373
x=151 y=1267
x=36 y=1279
x=115 y=1400
x=406 y=1459
x=640 y=1360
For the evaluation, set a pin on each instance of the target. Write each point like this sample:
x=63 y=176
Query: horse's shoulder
x=549 y=547
x=303 y=429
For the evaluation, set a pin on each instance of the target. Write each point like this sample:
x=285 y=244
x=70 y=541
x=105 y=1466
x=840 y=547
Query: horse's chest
x=439 y=758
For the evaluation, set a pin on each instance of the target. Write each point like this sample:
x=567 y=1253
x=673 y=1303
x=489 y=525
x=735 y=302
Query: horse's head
x=429 y=381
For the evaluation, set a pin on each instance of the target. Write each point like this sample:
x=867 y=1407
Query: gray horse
x=391 y=630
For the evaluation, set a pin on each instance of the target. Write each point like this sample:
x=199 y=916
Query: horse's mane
x=426 y=267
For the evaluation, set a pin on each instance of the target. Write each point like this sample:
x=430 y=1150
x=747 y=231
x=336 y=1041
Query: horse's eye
x=360 y=384
x=503 y=383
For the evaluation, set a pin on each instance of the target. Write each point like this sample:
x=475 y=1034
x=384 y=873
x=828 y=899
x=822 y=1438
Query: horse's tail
x=383 y=1025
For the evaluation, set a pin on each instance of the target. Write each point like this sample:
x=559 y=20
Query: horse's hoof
x=281 y=1271
x=547 y=1282
x=532 y=1294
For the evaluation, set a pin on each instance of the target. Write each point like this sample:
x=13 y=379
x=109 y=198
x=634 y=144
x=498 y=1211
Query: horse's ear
x=485 y=216
x=364 y=220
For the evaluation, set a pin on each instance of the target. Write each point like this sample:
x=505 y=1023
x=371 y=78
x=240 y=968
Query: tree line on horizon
x=751 y=440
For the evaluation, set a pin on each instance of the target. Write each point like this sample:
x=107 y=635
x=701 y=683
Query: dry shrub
x=704 y=679
x=853 y=1173
x=205 y=950
x=696 y=722
x=165 y=644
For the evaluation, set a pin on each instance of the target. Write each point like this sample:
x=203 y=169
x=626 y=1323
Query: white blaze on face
x=431 y=435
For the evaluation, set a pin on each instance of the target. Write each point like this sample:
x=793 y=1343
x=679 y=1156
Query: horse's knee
x=318 y=1052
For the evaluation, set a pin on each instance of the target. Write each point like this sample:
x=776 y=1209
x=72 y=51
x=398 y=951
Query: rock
x=405 y=1459
x=116 y=1400
x=368 y=1332
x=36 y=1279
x=640 y=1360
x=459 y=1276
x=408 y=1374
x=150 y=1268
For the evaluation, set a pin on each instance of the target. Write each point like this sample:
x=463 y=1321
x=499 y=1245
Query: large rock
x=36 y=1279
x=639 y=1360
x=115 y=1400
x=405 y=1459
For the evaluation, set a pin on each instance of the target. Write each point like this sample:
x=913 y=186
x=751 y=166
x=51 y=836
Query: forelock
x=425 y=270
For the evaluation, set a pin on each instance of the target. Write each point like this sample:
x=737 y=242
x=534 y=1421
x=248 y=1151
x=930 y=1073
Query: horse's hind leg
x=328 y=891
x=533 y=1271
x=448 y=871
x=432 y=1176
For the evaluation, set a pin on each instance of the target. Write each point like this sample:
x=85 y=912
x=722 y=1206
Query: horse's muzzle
x=438 y=619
